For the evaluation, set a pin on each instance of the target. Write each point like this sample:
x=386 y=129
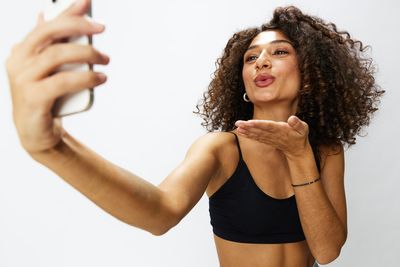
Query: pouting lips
x=263 y=80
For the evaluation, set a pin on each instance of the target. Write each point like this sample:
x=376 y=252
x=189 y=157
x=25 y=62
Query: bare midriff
x=234 y=254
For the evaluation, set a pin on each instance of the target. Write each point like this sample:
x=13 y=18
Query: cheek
x=291 y=72
x=246 y=75
x=296 y=76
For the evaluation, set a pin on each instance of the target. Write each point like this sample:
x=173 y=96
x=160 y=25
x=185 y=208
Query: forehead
x=266 y=37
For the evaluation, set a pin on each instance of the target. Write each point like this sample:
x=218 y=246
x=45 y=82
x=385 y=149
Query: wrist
x=299 y=154
x=61 y=153
x=302 y=166
x=307 y=183
x=37 y=143
x=48 y=154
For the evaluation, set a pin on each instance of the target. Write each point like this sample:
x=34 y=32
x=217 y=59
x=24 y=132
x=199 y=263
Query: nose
x=263 y=61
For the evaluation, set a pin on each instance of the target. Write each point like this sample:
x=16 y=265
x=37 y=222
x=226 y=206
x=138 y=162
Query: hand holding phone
x=82 y=100
x=35 y=79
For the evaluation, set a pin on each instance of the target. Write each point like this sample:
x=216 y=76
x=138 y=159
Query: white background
x=162 y=57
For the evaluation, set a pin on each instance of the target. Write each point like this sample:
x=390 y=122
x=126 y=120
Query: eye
x=250 y=58
x=280 y=52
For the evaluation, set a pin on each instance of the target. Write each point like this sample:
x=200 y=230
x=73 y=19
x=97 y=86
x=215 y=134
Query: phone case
x=83 y=100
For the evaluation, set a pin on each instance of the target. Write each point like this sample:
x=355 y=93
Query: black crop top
x=240 y=211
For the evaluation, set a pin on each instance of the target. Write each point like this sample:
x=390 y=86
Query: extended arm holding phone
x=124 y=195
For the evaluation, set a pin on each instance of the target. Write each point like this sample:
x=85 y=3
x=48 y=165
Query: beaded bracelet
x=316 y=180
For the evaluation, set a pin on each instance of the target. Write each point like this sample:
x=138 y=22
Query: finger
x=241 y=123
x=244 y=126
x=57 y=29
x=254 y=122
x=79 y=8
x=69 y=82
x=257 y=134
x=297 y=124
x=265 y=125
x=242 y=131
x=252 y=131
x=64 y=53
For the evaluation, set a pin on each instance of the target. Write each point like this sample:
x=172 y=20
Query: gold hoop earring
x=246 y=98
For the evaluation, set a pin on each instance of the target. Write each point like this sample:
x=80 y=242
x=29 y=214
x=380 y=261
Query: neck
x=274 y=111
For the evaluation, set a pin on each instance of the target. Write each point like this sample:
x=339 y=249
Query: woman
x=286 y=97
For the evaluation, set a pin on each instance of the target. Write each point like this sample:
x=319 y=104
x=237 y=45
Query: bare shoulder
x=185 y=185
x=333 y=149
x=224 y=149
x=333 y=153
x=214 y=142
x=221 y=146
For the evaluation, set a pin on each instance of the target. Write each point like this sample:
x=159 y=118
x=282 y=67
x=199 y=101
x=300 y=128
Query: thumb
x=297 y=124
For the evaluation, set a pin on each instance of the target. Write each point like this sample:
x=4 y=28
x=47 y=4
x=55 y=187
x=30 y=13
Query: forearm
x=321 y=224
x=120 y=193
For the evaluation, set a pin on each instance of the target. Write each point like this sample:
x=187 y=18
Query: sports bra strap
x=238 y=145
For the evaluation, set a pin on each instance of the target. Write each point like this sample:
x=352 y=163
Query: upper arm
x=332 y=177
x=186 y=184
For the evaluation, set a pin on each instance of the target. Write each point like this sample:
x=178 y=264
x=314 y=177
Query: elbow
x=163 y=226
x=330 y=254
x=160 y=221
x=328 y=257
x=167 y=219
x=156 y=230
x=155 y=227
x=159 y=231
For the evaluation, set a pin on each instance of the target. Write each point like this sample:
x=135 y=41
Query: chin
x=264 y=98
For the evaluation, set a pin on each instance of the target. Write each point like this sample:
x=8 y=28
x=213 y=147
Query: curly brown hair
x=338 y=93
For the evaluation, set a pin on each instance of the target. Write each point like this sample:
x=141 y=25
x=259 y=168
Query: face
x=270 y=69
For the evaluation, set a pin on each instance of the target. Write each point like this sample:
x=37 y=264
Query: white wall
x=145 y=125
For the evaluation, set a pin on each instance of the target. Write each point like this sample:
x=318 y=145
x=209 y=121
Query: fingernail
x=101 y=76
x=105 y=58
x=95 y=24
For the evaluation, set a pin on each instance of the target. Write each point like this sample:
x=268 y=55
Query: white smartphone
x=83 y=100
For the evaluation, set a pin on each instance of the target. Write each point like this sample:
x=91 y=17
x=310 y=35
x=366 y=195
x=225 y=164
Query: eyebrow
x=272 y=42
